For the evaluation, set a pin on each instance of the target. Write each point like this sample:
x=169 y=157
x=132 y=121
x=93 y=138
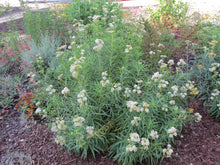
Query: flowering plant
x=101 y=97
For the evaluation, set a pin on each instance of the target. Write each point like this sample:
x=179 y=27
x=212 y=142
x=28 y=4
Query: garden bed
x=32 y=140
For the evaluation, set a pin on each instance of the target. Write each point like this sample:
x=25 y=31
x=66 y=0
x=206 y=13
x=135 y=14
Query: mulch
x=31 y=142
x=198 y=145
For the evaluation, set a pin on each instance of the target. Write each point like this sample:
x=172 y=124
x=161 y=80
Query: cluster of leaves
x=205 y=72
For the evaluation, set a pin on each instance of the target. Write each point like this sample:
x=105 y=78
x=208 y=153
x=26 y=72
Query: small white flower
x=38 y=111
x=154 y=134
x=65 y=91
x=61 y=125
x=78 y=121
x=132 y=105
x=172 y=132
x=168 y=151
x=52 y=91
x=99 y=42
x=156 y=76
x=127 y=92
x=134 y=137
x=198 y=117
x=181 y=62
x=135 y=121
x=111 y=24
x=90 y=130
x=49 y=88
x=75 y=74
x=97 y=48
x=60 y=140
x=126 y=50
x=165 y=107
x=161 y=45
x=131 y=148
x=170 y=62
x=145 y=142
x=172 y=102
x=152 y=52
x=38 y=104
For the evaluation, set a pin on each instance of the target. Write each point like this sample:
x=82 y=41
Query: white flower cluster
x=175 y=90
x=82 y=52
x=218 y=105
x=60 y=140
x=214 y=93
x=132 y=105
x=154 y=135
x=198 y=117
x=104 y=80
x=161 y=45
x=152 y=52
x=78 y=121
x=134 y=137
x=116 y=87
x=156 y=76
x=172 y=102
x=168 y=151
x=145 y=107
x=58 y=125
x=62 y=47
x=163 y=84
x=59 y=53
x=181 y=62
x=131 y=148
x=99 y=45
x=214 y=67
x=50 y=89
x=145 y=142
x=65 y=91
x=90 y=131
x=127 y=92
x=135 y=121
x=170 y=62
x=40 y=111
x=162 y=64
x=76 y=66
x=81 y=98
x=95 y=18
x=128 y=47
x=172 y=132
x=136 y=89
x=165 y=107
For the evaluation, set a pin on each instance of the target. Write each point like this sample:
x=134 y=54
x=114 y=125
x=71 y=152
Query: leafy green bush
x=44 y=22
x=169 y=12
x=88 y=11
x=101 y=98
x=41 y=55
x=206 y=74
x=9 y=94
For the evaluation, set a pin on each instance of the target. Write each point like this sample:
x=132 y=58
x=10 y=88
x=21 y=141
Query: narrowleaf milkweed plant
x=101 y=98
